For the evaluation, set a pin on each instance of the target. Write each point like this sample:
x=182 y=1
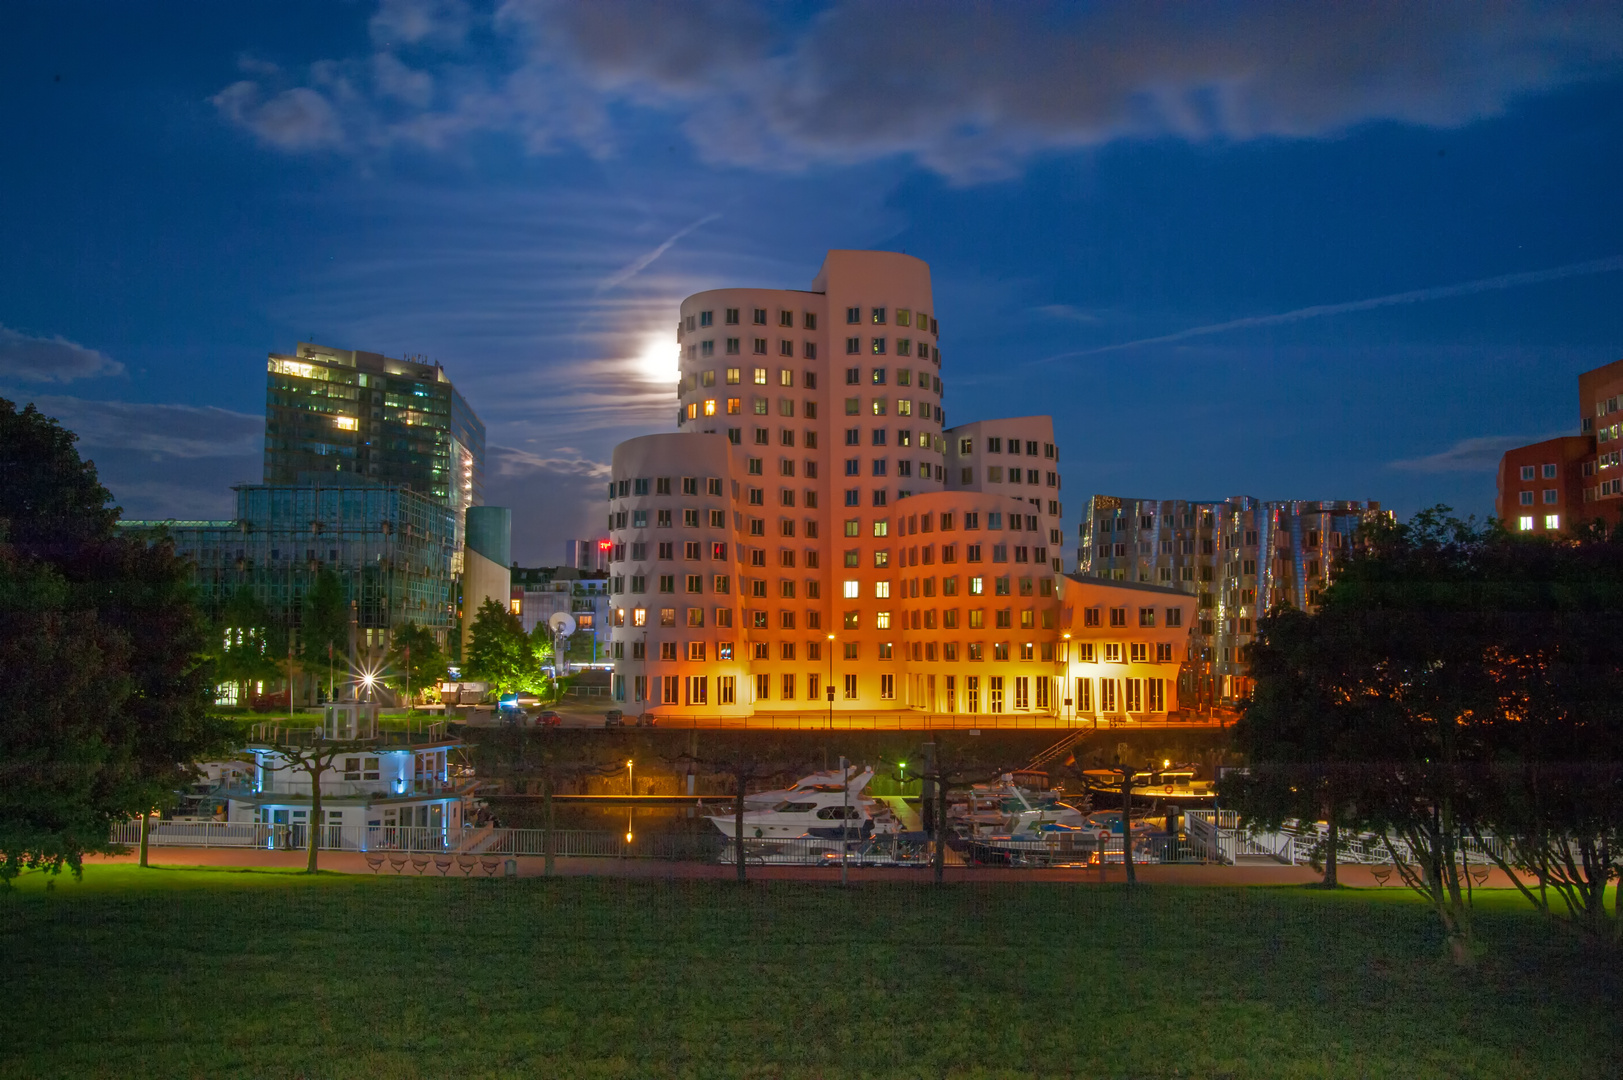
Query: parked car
x=614 y=718
x=646 y=719
x=548 y=718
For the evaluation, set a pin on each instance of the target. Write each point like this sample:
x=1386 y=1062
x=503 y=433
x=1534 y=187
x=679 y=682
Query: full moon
x=660 y=360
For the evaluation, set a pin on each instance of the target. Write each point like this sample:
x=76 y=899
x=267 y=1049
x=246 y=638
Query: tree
x=415 y=661
x=51 y=500
x=946 y=766
x=1457 y=681
x=104 y=633
x=502 y=654
x=1301 y=729
x=246 y=647
x=324 y=629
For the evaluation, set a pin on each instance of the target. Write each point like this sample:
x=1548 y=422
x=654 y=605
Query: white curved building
x=813 y=524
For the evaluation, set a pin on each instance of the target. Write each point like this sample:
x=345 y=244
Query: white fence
x=1221 y=836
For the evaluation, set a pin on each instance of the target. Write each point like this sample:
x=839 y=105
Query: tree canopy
x=415 y=660
x=1459 y=692
x=502 y=654
x=104 y=650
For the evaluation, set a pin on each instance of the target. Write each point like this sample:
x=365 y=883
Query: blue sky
x=1392 y=228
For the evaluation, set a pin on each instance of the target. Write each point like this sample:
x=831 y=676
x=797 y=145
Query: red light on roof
x=602 y=545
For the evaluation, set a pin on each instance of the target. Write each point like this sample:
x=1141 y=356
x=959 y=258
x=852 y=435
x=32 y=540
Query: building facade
x=391 y=549
x=1552 y=485
x=332 y=413
x=540 y=592
x=1541 y=487
x=814 y=537
x=1238 y=557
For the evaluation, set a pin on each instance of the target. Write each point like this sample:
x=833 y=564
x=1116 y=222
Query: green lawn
x=171 y=973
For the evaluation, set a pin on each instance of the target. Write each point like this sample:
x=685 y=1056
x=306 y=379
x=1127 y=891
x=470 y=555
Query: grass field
x=181 y=973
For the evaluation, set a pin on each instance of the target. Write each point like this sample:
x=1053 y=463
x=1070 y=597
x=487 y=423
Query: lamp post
x=829 y=690
x=845 y=810
x=1070 y=700
x=631 y=779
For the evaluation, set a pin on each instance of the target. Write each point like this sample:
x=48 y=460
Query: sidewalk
x=351 y=862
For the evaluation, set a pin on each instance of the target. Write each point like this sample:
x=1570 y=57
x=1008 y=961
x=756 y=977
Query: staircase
x=1071 y=739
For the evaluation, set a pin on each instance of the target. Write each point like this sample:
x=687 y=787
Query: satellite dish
x=562 y=623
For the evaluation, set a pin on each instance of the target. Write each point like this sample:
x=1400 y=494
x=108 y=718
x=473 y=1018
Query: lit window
x=710 y=407
x=881 y=590
x=760 y=376
x=1552 y=521
x=1526 y=524
x=854 y=589
x=345 y=423
x=881 y=620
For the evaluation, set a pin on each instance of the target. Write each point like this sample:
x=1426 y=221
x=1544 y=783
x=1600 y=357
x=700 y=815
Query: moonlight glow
x=659 y=360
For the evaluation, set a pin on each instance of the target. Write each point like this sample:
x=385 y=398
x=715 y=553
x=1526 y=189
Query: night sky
x=1292 y=251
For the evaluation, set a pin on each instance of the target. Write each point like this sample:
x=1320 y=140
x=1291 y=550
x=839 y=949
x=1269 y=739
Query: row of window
x=994 y=475
x=662 y=485
x=994 y=445
x=786 y=318
x=1551 y=521
x=881 y=346
x=1529 y=472
x=1114 y=695
x=904 y=377
x=701 y=651
x=1551 y=497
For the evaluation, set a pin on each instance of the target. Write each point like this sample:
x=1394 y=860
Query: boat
x=1009 y=807
x=816 y=811
x=1170 y=783
x=765 y=800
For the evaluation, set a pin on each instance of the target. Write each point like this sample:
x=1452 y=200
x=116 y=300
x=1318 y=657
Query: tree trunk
x=547 y=839
x=315 y=817
x=145 y=825
x=940 y=831
x=1331 y=842
x=738 y=829
x=1127 y=828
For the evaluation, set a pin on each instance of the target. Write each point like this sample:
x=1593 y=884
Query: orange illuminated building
x=814 y=537
x=1551 y=485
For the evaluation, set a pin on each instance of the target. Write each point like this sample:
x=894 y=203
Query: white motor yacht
x=814 y=810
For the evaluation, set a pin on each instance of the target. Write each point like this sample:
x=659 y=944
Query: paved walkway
x=350 y=862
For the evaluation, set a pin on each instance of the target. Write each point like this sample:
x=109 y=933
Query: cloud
x=298 y=119
x=1067 y=313
x=554 y=498
x=52 y=359
x=1414 y=296
x=164 y=431
x=969 y=89
x=411 y=22
x=642 y=262
x=1480 y=454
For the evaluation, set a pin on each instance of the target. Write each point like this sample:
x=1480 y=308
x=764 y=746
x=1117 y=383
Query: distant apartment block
x=1552 y=485
x=1239 y=557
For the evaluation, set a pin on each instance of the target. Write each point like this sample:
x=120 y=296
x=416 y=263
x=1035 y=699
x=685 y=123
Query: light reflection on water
x=639 y=820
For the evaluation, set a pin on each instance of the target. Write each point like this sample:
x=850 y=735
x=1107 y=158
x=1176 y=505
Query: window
x=1526 y=524
x=1174 y=616
x=1550 y=496
x=1139 y=652
x=853 y=315
x=1528 y=472
x=1163 y=652
x=1527 y=498
x=850 y=688
x=1552 y=521
x=887 y=687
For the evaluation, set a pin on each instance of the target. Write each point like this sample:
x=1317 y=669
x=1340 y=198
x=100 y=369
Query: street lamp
x=631 y=779
x=829 y=690
x=1069 y=687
